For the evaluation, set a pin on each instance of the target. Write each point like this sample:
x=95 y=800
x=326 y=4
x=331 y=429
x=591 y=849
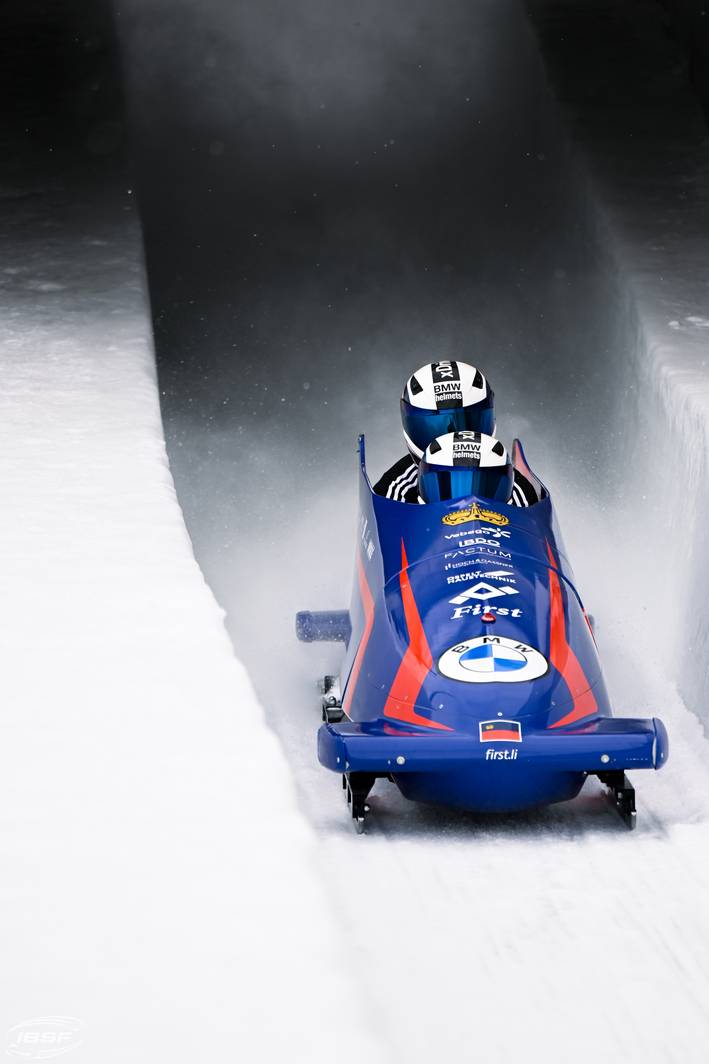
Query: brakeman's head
x=464 y=464
x=445 y=397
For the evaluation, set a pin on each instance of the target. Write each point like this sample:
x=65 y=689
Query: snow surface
x=157 y=881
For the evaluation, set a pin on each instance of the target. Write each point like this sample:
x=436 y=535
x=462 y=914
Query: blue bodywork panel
x=471 y=674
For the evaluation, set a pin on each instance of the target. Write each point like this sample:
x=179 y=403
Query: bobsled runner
x=470 y=676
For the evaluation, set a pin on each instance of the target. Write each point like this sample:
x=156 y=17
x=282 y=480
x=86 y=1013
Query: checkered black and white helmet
x=465 y=464
x=445 y=397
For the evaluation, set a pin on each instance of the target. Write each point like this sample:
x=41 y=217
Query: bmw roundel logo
x=492 y=659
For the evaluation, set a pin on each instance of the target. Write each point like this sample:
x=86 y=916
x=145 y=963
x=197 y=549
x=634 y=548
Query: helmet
x=445 y=397
x=461 y=464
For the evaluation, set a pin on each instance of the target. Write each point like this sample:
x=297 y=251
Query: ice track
x=328 y=256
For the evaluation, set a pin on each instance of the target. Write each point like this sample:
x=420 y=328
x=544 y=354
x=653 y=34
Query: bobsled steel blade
x=622 y=794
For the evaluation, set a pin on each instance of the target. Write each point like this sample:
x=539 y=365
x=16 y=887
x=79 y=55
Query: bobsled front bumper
x=601 y=745
x=458 y=769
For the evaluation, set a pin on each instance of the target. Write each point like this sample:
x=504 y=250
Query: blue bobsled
x=471 y=676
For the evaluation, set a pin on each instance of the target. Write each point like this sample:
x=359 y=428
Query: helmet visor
x=423 y=426
x=440 y=485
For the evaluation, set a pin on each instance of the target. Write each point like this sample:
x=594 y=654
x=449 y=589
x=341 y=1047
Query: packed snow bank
x=624 y=85
x=157 y=885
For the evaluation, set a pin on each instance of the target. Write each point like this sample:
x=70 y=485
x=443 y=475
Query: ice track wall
x=158 y=886
x=641 y=134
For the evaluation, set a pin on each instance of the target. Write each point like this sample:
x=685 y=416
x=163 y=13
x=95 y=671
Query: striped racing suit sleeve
x=401 y=484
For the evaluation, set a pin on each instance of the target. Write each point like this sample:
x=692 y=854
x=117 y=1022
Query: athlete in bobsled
x=438 y=398
x=470 y=676
x=463 y=464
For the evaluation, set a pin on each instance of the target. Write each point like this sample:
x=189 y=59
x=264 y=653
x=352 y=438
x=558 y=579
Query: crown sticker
x=474 y=513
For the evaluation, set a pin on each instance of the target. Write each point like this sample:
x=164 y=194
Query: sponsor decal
x=474 y=513
x=446 y=384
x=464 y=565
x=478 y=608
x=492 y=659
x=484 y=530
x=464 y=578
x=467 y=447
x=483 y=592
x=478 y=541
x=366 y=537
x=490 y=550
x=501 y=755
x=444 y=371
x=500 y=731
x=448 y=392
x=474 y=541
x=470 y=560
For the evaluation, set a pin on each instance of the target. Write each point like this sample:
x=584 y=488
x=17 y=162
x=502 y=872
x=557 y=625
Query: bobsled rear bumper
x=601 y=745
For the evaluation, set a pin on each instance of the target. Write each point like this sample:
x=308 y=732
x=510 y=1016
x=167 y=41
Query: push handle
x=327 y=626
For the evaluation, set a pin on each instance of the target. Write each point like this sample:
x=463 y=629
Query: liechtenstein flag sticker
x=500 y=731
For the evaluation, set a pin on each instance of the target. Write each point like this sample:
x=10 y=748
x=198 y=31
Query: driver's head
x=461 y=464
x=445 y=397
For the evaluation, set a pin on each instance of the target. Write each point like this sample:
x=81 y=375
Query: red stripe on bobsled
x=563 y=658
x=368 y=606
x=416 y=663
